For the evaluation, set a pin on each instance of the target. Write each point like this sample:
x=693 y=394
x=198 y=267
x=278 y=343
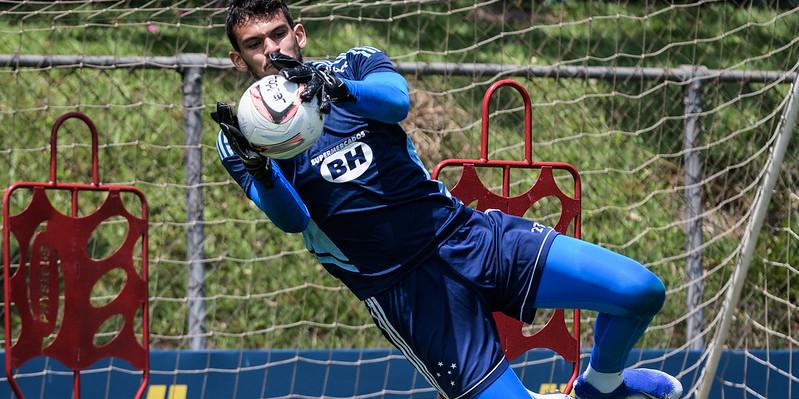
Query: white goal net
x=671 y=112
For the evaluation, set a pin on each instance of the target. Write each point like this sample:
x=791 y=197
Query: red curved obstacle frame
x=470 y=189
x=53 y=257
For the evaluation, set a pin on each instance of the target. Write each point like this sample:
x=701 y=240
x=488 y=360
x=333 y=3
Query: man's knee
x=647 y=294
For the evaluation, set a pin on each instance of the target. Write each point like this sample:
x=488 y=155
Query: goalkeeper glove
x=319 y=83
x=258 y=165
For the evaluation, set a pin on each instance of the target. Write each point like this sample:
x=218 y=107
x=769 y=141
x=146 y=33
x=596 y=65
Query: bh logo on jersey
x=348 y=163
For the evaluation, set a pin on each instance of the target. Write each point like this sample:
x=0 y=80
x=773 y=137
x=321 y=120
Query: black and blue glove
x=319 y=83
x=259 y=166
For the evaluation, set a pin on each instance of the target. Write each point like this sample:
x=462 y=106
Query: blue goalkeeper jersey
x=375 y=212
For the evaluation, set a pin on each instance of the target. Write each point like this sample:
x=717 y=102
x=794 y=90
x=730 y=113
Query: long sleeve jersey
x=374 y=211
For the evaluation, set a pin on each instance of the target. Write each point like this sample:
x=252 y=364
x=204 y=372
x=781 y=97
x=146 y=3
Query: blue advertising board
x=384 y=373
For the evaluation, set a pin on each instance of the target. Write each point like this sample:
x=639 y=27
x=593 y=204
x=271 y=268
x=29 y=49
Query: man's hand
x=319 y=83
x=258 y=165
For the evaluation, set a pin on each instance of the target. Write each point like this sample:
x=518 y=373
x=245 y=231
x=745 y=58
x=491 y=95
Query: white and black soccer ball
x=275 y=121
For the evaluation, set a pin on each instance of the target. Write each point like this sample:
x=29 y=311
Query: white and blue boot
x=635 y=384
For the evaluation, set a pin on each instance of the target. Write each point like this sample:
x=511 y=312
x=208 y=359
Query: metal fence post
x=692 y=170
x=195 y=254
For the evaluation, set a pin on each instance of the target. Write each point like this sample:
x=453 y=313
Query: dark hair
x=242 y=11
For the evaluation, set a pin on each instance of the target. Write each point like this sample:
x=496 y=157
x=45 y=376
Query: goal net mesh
x=625 y=131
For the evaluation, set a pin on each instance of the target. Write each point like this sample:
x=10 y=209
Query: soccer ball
x=275 y=121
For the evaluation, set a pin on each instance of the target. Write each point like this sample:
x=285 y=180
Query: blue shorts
x=439 y=315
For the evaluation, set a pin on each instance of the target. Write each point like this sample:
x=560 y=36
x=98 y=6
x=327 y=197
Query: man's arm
x=280 y=202
x=382 y=96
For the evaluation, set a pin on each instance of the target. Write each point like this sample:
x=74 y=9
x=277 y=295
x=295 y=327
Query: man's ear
x=238 y=61
x=299 y=33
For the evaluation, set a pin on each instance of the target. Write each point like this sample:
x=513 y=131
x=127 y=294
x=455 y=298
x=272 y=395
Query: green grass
x=627 y=146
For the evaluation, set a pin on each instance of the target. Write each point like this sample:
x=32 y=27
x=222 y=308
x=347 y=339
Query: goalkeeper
x=429 y=269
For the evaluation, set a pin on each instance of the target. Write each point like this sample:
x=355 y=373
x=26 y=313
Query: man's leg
x=508 y=386
x=627 y=296
x=443 y=327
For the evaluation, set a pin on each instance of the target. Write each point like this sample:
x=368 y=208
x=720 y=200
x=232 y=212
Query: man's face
x=259 y=37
